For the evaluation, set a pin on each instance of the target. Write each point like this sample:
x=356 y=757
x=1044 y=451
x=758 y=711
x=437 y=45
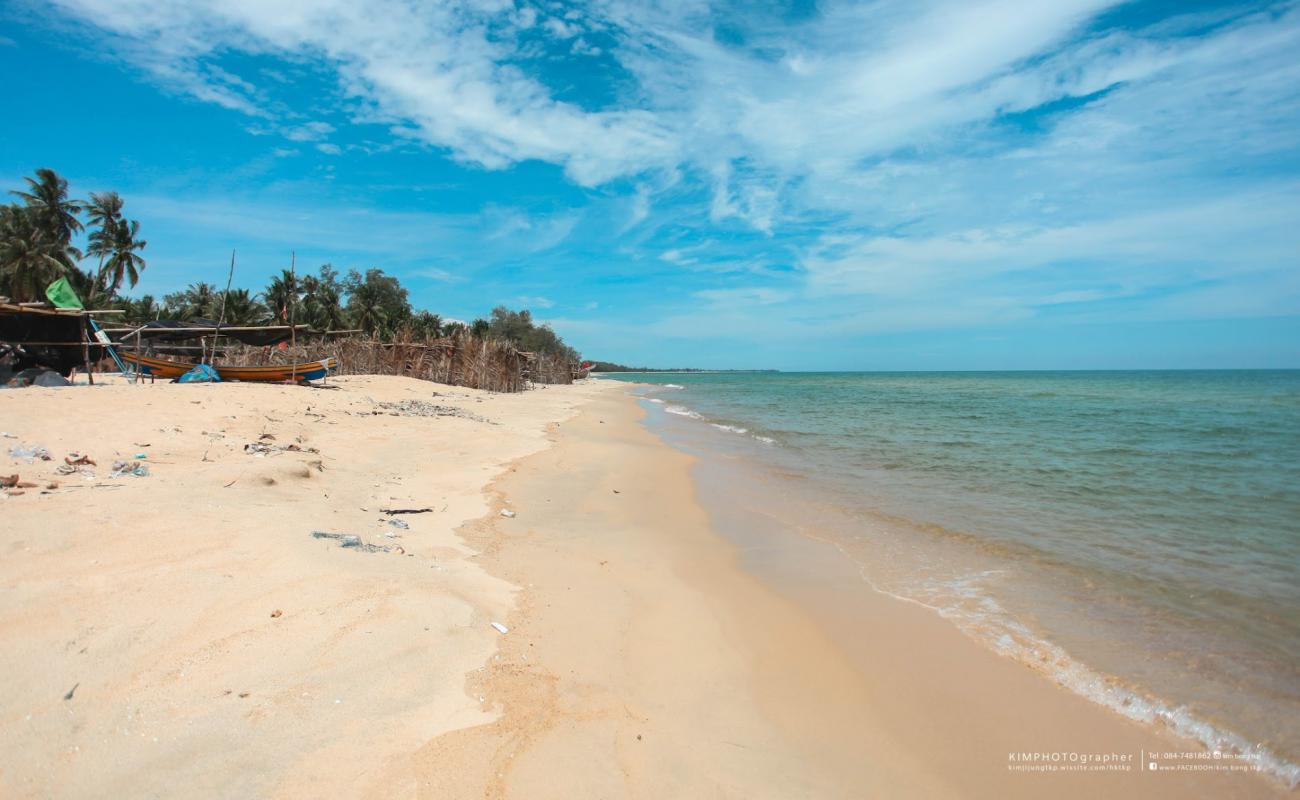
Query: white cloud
x=541 y=232
x=308 y=132
x=638 y=209
x=581 y=47
x=329 y=148
x=888 y=141
x=860 y=82
x=437 y=274
x=560 y=29
x=430 y=68
x=534 y=301
x=743 y=297
x=1190 y=243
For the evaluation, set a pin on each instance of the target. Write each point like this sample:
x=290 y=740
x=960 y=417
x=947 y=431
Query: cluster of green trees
x=37 y=248
x=371 y=301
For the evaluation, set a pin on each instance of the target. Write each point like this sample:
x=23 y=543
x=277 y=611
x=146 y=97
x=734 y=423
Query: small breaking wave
x=673 y=386
x=964 y=602
x=731 y=428
x=683 y=411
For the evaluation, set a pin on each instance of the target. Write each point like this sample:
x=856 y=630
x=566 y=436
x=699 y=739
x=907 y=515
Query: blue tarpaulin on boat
x=202 y=373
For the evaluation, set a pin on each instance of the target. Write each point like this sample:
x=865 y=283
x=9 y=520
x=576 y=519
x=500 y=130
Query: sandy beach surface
x=183 y=633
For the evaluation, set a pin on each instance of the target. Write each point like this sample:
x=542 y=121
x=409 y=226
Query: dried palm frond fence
x=547 y=368
x=459 y=360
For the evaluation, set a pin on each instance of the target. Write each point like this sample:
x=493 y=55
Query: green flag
x=62 y=295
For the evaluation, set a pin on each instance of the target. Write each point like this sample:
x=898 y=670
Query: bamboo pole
x=230 y=276
x=293 y=305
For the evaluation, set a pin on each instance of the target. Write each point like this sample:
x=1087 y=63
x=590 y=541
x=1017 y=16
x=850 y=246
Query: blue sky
x=930 y=184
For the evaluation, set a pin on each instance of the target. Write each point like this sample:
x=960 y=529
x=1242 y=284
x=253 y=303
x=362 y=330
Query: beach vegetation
x=241 y=307
x=519 y=328
x=29 y=260
x=322 y=300
x=426 y=324
x=124 y=262
x=37 y=247
x=199 y=300
x=53 y=212
x=377 y=302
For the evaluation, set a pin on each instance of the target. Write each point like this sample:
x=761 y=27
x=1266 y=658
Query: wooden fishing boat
x=279 y=373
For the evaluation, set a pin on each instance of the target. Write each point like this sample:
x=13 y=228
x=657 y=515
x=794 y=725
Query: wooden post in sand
x=85 y=348
x=136 y=377
x=293 y=305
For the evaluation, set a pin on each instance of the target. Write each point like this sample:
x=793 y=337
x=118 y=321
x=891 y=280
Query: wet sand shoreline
x=649 y=656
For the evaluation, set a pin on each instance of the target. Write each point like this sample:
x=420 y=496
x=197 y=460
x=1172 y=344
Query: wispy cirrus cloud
x=857 y=168
x=440 y=71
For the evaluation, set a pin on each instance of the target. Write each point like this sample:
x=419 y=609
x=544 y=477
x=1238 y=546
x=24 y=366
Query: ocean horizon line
x=775 y=370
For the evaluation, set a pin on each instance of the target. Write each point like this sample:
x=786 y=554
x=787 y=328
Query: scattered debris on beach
x=350 y=541
x=121 y=468
x=69 y=469
x=392 y=511
x=264 y=447
x=15 y=482
x=505 y=512
x=30 y=452
x=420 y=408
x=500 y=628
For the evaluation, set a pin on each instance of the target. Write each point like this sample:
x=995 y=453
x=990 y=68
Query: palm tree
x=427 y=325
x=324 y=299
x=29 y=261
x=140 y=311
x=83 y=283
x=281 y=294
x=124 y=262
x=56 y=215
x=198 y=300
x=242 y=308
x=367 y=307
x=104 y=209
x=105 y=212
x=323 y=305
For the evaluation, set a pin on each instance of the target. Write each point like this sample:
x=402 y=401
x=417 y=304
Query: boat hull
x=280 y=373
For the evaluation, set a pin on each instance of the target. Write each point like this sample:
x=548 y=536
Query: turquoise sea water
x=1135 y=534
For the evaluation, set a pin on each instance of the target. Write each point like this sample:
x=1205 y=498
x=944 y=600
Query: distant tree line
x=607 y=366
x=37 y=248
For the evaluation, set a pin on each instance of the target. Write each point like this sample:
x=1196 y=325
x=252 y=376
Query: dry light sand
x=183 y=635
